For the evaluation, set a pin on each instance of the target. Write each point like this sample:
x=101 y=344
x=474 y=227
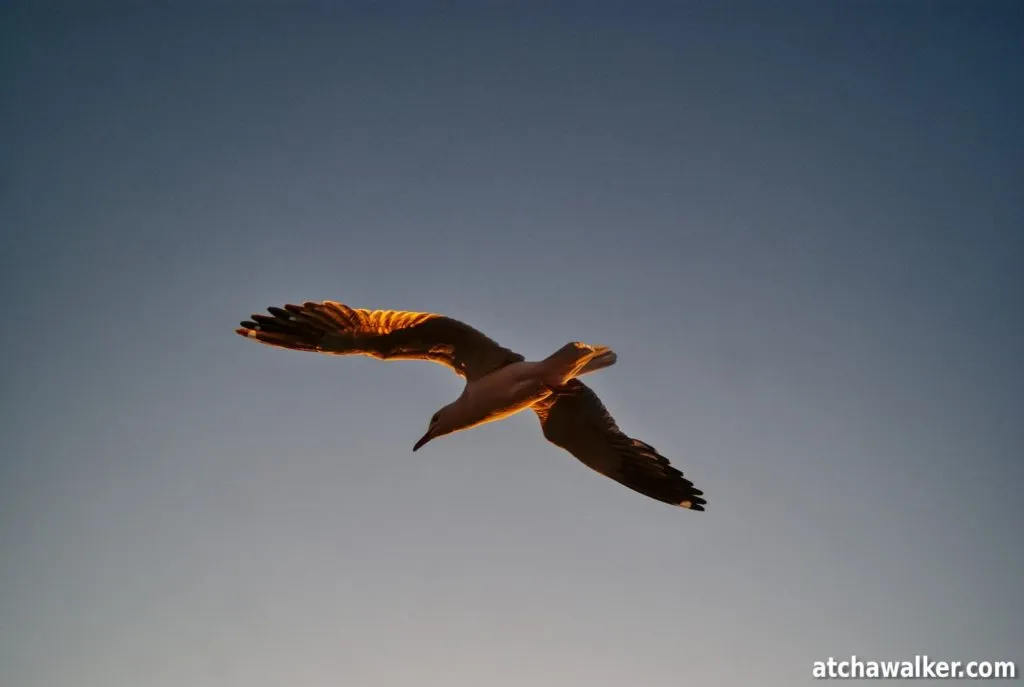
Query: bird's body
x=519 y=386
x=500 y=394
x=499 y=383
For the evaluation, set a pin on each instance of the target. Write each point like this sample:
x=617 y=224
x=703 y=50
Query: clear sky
x=798 y=224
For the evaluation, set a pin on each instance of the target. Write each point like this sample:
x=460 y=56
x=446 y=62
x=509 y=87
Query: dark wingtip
x=693 y=501
x=278 y=312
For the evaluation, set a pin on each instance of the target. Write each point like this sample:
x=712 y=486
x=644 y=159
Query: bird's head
x=442 y=422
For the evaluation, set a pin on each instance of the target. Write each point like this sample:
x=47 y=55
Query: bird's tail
x=575 y=359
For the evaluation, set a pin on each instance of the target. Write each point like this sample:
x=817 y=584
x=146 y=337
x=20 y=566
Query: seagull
x=499 y=383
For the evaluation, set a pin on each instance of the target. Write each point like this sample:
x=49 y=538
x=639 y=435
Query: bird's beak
x=423 y=440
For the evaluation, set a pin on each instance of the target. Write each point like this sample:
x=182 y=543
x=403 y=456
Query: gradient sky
x=798 y=224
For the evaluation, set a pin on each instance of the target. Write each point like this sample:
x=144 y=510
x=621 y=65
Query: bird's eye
x=433 y=420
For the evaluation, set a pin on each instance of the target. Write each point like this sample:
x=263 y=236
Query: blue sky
x=799 y=226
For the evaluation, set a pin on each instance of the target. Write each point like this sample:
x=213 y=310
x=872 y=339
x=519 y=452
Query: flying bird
x=499 y=383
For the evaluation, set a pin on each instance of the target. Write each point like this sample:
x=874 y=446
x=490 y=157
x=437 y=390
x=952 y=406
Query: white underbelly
x=505 y=392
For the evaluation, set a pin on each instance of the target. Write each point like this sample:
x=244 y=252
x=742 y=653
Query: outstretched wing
x=575 y=419
x=334 y=328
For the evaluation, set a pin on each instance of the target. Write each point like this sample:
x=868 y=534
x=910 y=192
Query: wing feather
x=335 y=328
x=575 y=419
